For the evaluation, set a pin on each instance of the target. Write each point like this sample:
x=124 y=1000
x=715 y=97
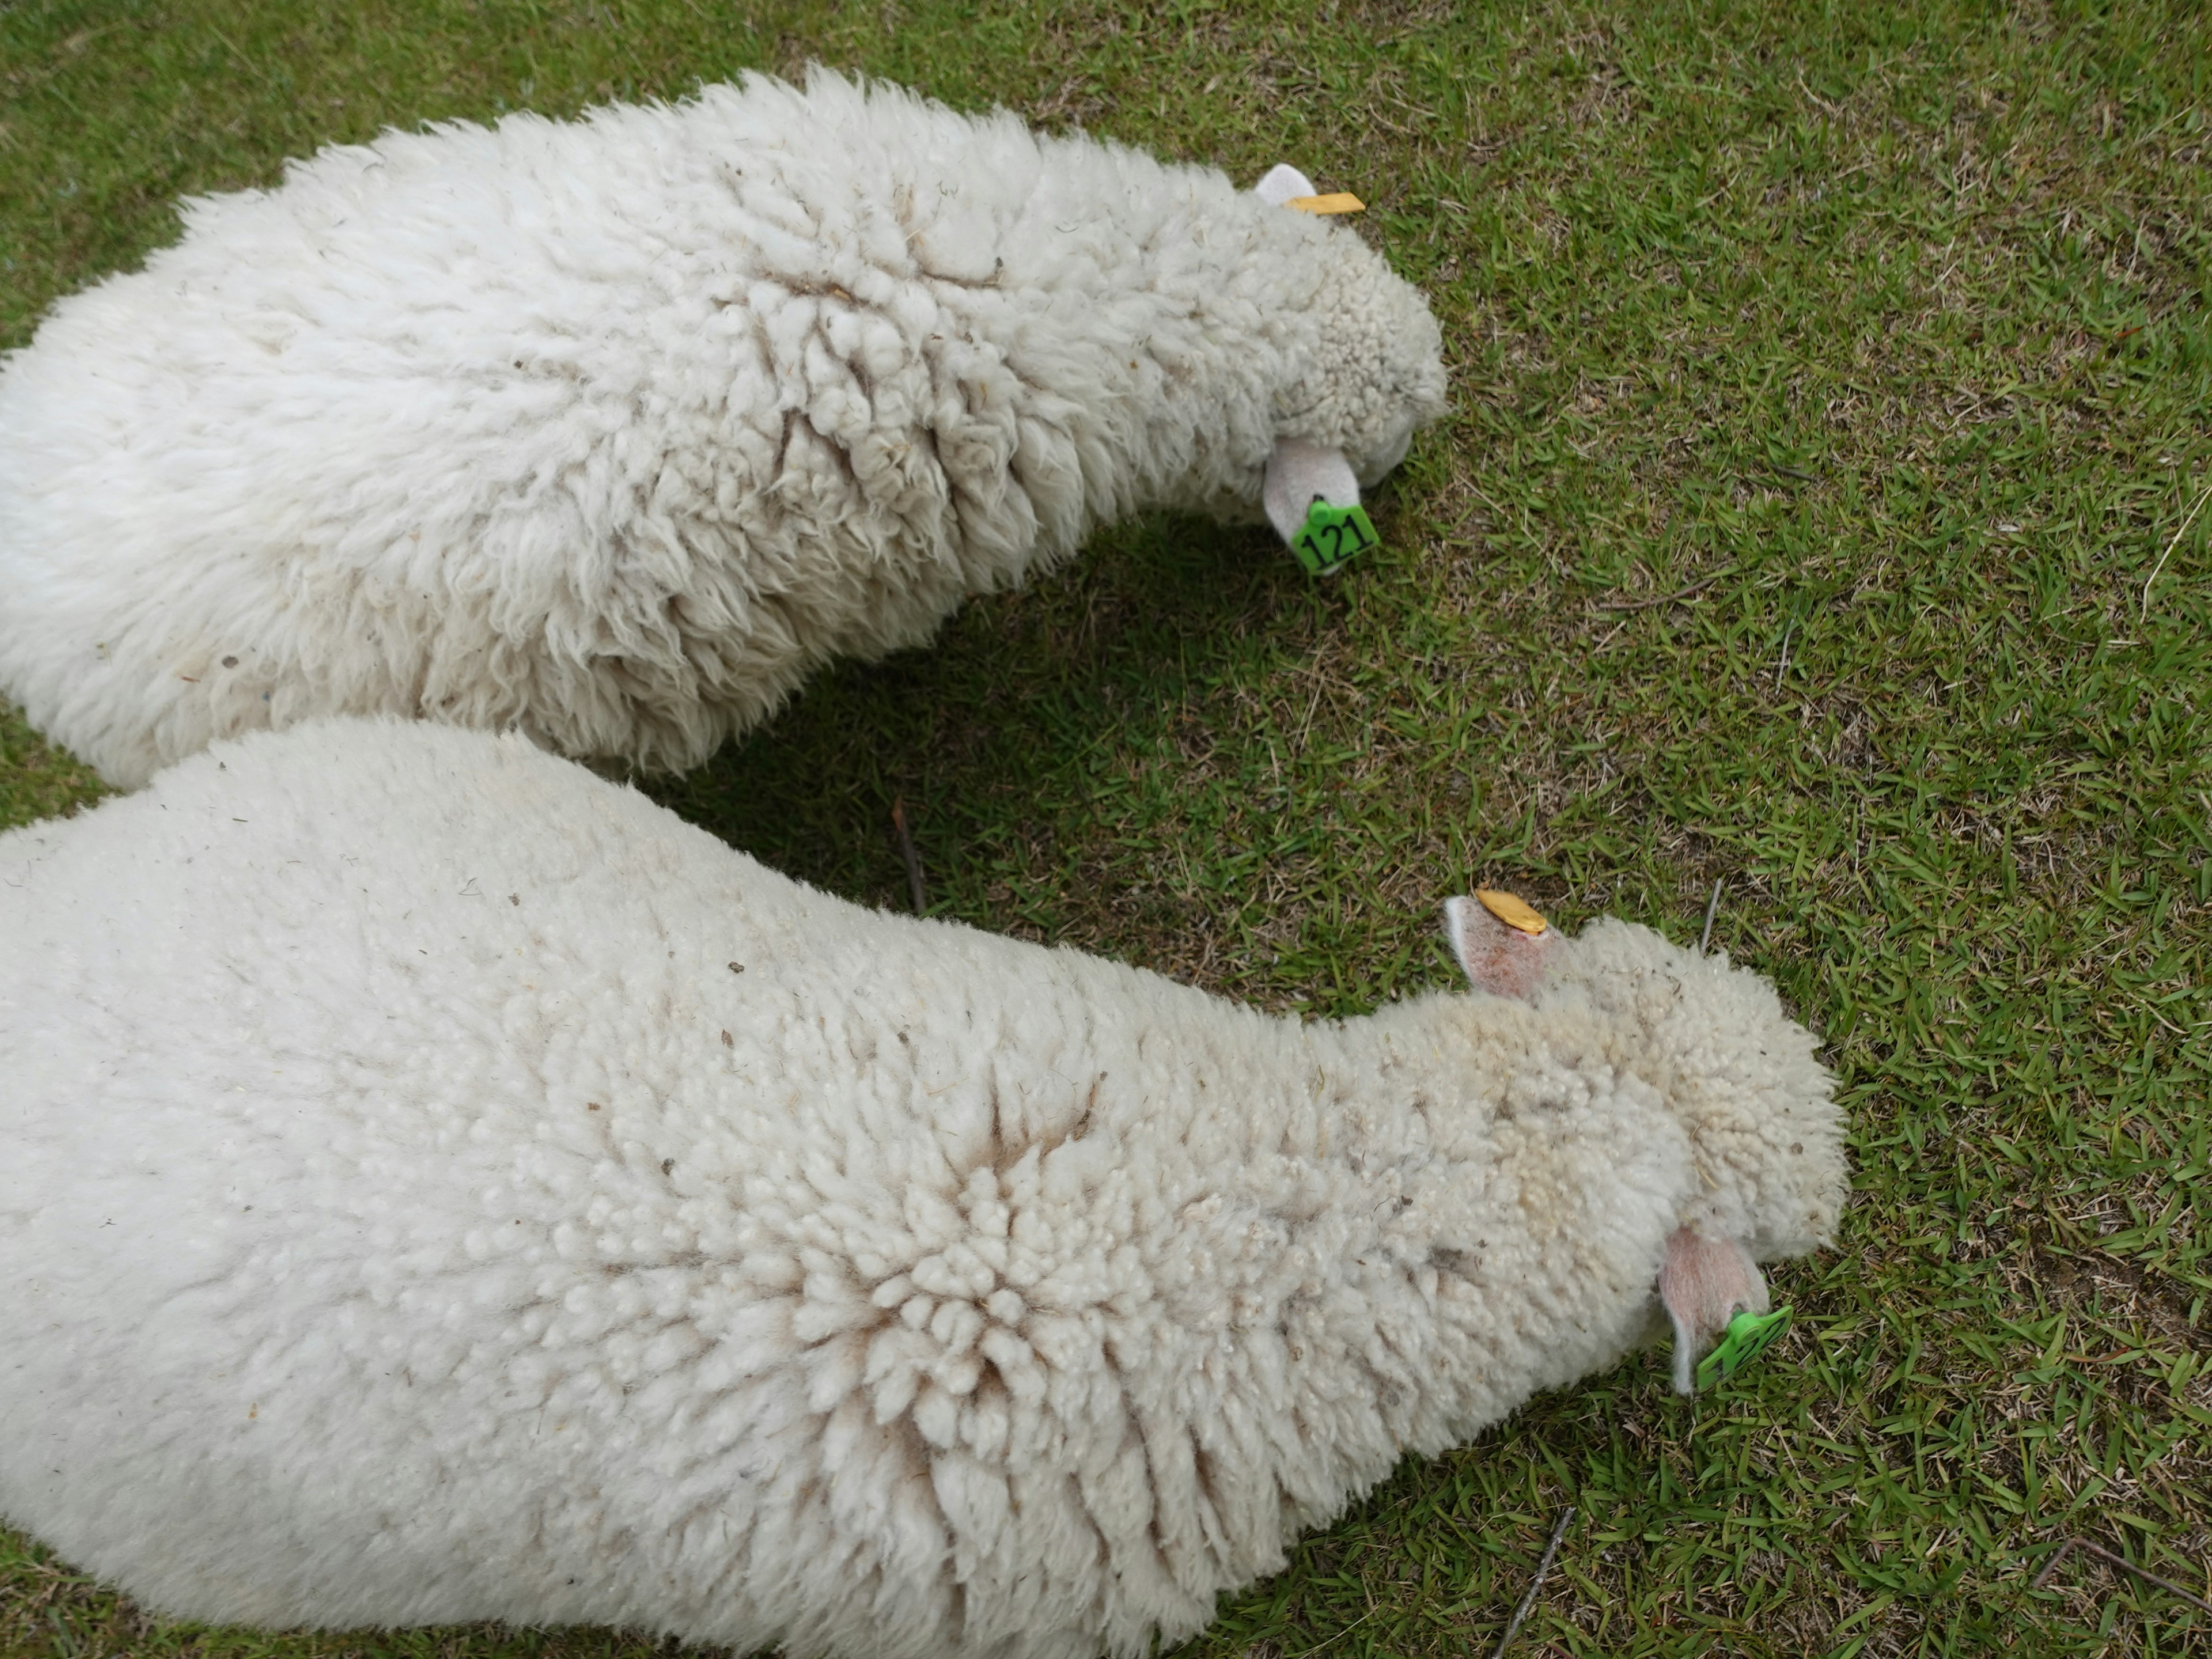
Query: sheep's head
x=1374 y=374
x=1734 y=1068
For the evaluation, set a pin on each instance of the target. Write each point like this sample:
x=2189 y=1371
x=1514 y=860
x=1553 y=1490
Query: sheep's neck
x=1175 y=388
x=1284 y=1270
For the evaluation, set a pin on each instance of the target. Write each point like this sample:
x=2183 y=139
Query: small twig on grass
x=912 y=859
x=245 y=63
x=2120 y=1561
x=1834 y=112
x=1698 y=587
x=1543 y=1566
x=1712 y=908
x=2172 y=541
x=1782 y=667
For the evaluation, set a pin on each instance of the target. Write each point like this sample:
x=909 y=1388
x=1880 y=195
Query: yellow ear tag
x=1341 y=201
x=1509 y=909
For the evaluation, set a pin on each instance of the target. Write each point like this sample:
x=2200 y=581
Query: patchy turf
x=1832 y=393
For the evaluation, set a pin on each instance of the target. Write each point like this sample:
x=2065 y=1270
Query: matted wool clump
x=613 y=430
x=441 y=1185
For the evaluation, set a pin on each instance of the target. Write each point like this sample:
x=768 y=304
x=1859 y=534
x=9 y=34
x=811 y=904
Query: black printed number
x=1327 y=545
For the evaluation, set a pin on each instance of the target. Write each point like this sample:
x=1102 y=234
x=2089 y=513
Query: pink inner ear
x=1704 y=1283
x=1501 y=960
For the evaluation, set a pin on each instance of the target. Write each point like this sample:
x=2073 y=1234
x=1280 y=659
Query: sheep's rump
x=396 y=1205
x=612 y=430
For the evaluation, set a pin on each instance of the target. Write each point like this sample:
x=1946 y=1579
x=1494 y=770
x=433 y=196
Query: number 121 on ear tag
x=1331 y=535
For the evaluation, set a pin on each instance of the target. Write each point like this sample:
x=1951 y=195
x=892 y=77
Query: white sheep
x=439 y=1184
x=613 y=430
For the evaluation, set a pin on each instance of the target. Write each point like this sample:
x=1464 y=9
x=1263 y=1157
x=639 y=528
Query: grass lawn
x=1832 y=387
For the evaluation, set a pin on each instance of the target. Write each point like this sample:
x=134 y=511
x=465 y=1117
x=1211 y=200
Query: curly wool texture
x=612 y=431
x=441 y=1185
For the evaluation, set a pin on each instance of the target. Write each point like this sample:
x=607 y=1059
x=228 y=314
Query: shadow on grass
x=1017 y=701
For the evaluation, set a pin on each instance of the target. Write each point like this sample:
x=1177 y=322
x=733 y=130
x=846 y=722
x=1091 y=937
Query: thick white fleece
x=613 y=430
x=439 y=1184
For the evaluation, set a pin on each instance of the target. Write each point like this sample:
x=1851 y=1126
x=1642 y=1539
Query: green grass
x=1887 y=322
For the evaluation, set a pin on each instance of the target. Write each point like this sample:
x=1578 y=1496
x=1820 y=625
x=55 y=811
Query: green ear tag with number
x=1331 y=535
x=1748 y=1335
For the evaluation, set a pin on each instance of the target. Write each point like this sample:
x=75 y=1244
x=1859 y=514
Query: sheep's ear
x=1505 y=959
x=1705 y=1283
x=1298 y=475
x=1283 y=183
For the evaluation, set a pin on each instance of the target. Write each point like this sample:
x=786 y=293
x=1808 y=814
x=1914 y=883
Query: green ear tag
x=1748 y=1334
x=1331 y=535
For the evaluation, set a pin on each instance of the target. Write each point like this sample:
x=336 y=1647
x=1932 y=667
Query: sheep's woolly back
x=440 y=1185
x=612 y=430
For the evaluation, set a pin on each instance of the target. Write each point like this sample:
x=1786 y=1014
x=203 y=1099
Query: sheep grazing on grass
x=442 y=1185
x=612 y=431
